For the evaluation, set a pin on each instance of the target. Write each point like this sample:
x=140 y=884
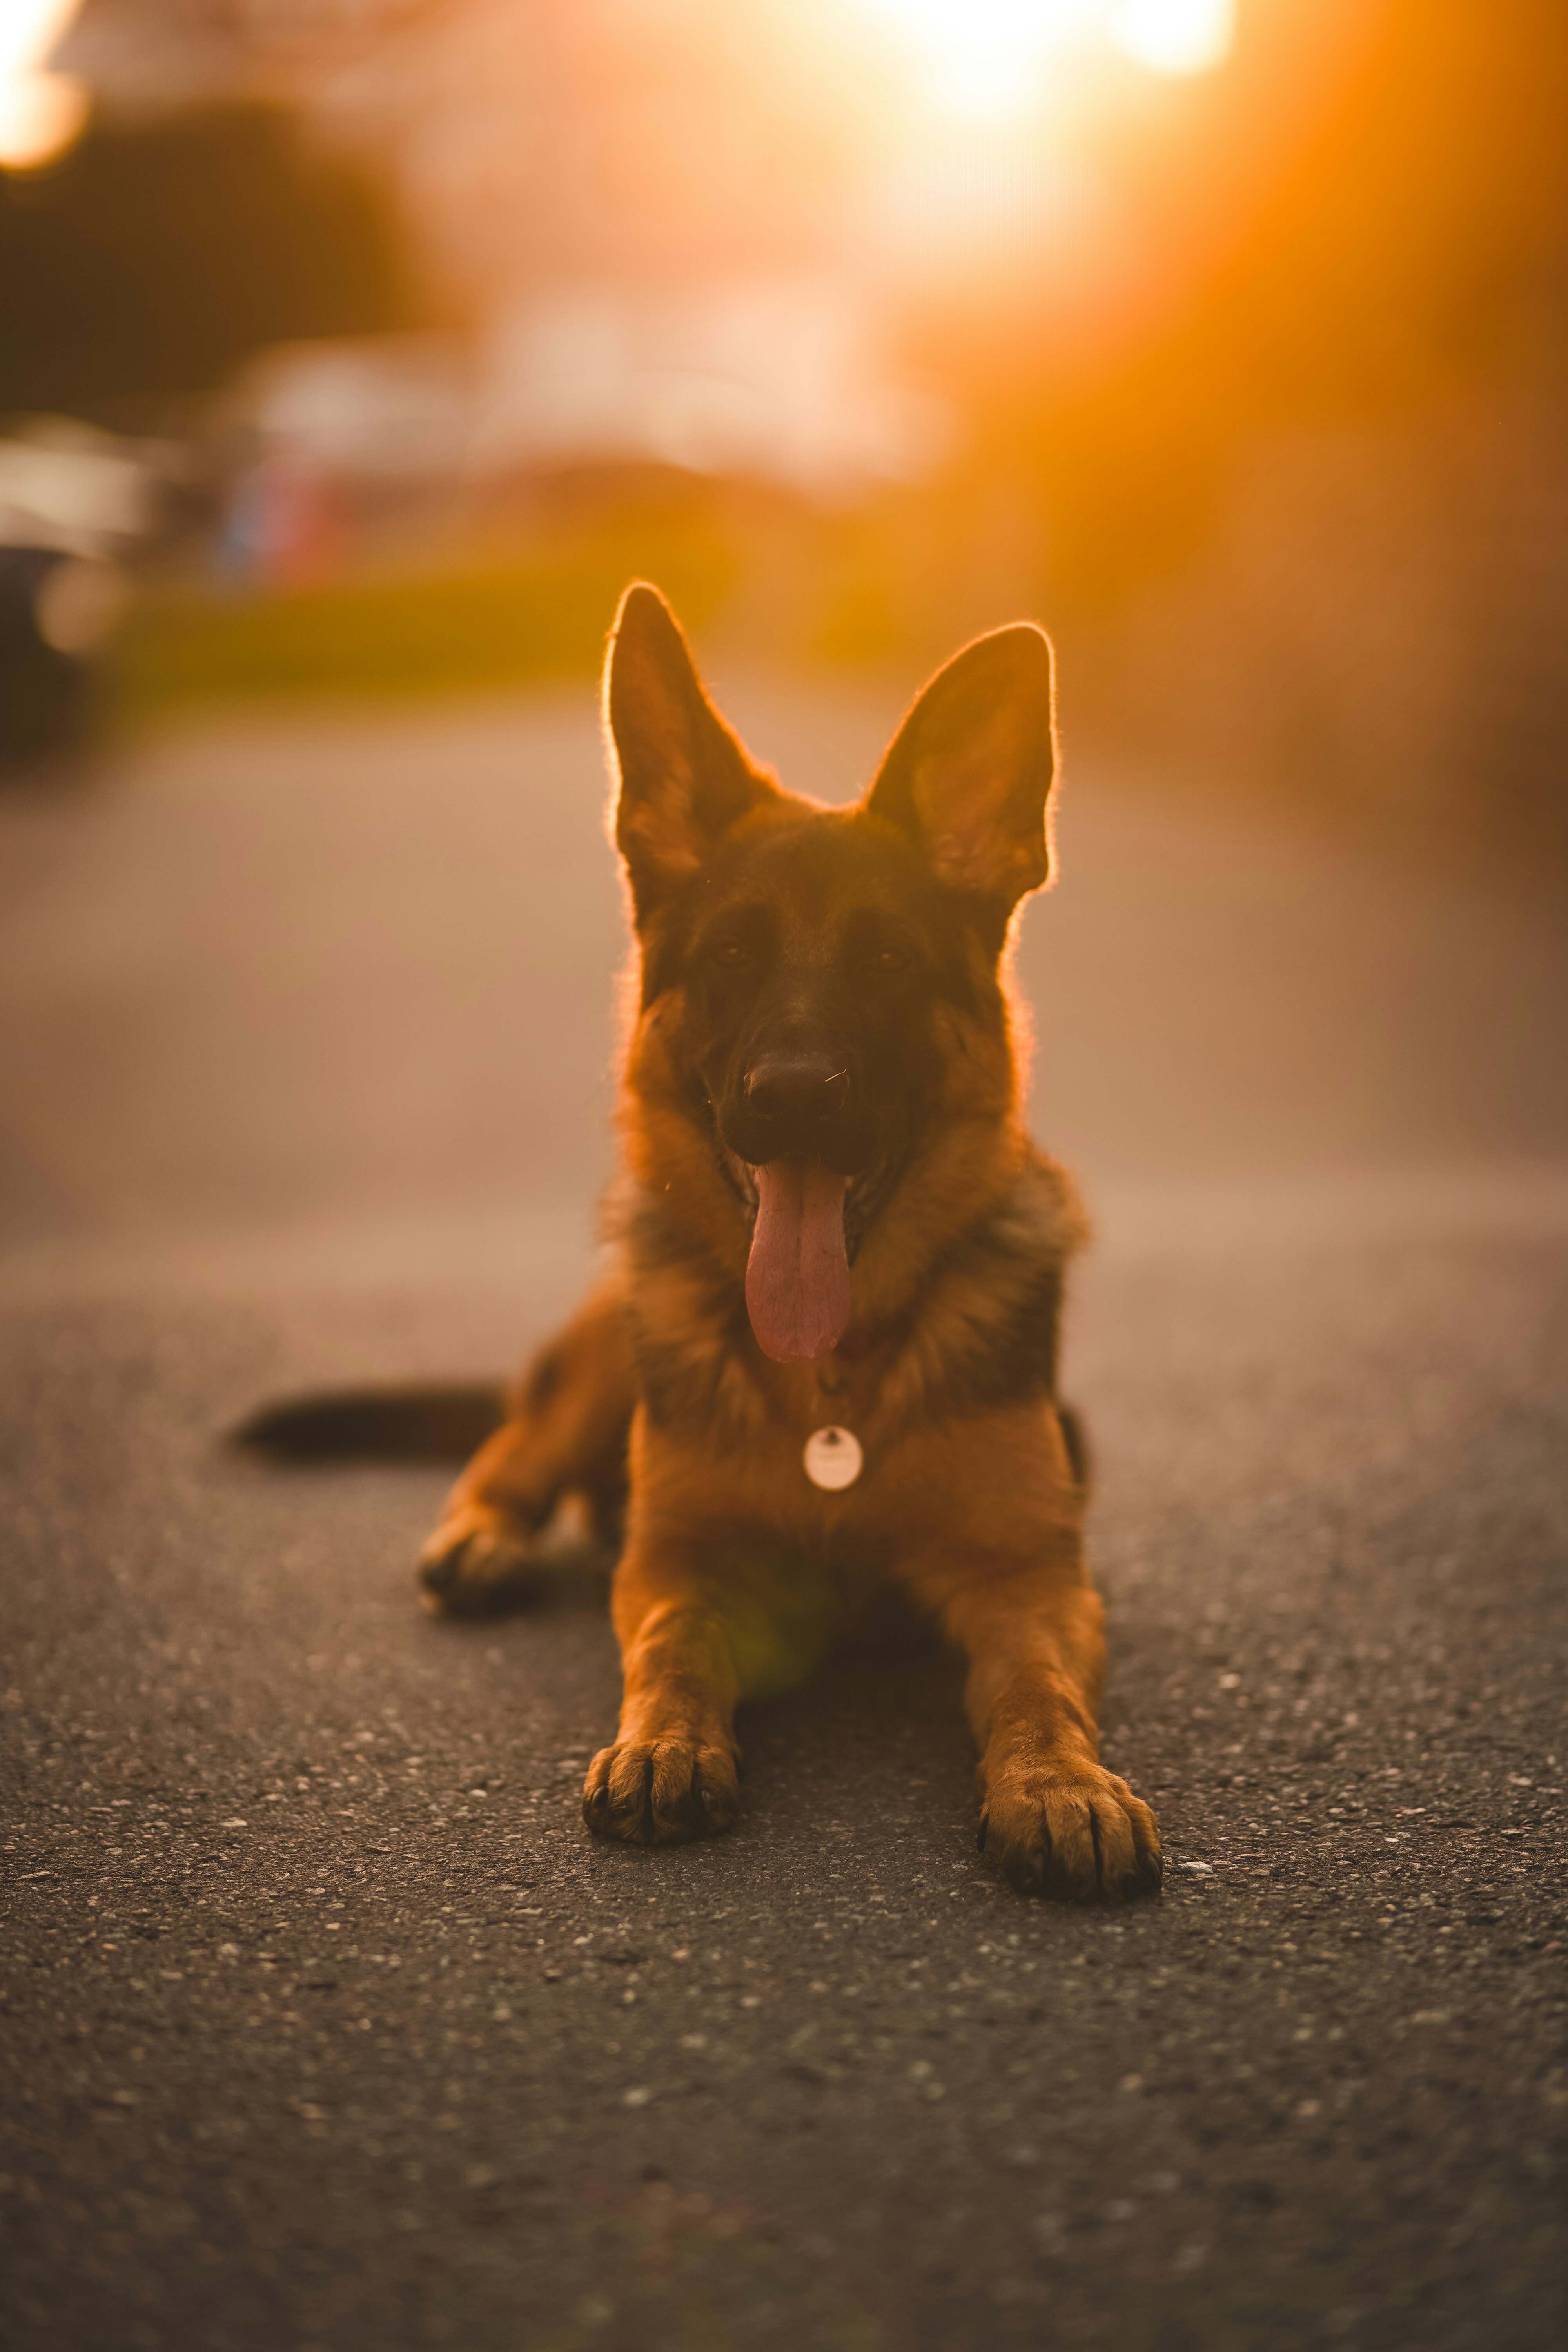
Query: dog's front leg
x=1052 y=1818
x=565 y=1432
x=670 y=1774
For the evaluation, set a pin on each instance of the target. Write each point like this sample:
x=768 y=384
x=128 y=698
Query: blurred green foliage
x=495 y=617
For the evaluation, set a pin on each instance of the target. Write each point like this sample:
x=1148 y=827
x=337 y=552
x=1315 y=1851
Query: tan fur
x=736 y=1571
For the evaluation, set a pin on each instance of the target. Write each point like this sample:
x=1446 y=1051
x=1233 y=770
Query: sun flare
x=993 y=56
x=1176 y=37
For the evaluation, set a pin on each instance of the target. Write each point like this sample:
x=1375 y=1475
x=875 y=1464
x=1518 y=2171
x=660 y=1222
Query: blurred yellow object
x=40 y=112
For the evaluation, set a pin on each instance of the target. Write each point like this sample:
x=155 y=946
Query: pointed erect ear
x=969 y=770
x=683 y=776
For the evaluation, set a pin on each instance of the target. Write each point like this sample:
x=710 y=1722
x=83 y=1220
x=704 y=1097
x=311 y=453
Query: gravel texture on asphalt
x=325 y=2025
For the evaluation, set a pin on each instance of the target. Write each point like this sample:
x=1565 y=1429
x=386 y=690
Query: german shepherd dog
x=826 y=1361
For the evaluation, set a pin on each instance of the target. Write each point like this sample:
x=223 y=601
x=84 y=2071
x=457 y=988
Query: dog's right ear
x=684 y=776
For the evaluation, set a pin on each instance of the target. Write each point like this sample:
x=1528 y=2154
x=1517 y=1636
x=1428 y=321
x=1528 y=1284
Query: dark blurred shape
x=76 y=505
x=160 y=252
x=433 y=1423
x=44 y=689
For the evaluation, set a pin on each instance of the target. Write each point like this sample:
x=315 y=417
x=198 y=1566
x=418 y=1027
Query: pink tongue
x=797 y=1277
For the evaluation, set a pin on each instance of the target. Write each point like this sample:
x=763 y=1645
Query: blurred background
x=357 y=352
x=366 y=347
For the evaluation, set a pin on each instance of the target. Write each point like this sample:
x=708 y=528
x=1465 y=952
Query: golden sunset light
x=996 y=56
x=1176 y=37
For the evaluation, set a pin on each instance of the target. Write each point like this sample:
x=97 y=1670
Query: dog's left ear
x=969 y=774
x=684 y=776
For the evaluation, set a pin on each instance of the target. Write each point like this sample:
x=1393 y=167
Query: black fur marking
x=1020 y=1359
x=543 y=1382
x=1075 y=1437
x=657 y=1241
x=1010 y=1356
x=824 y=942
x=674 y=1389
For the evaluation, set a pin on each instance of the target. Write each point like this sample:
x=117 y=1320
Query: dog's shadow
x=875 y=1735
x=879 y=1722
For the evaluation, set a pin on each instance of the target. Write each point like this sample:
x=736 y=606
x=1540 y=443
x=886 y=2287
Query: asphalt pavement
x=326 y=2027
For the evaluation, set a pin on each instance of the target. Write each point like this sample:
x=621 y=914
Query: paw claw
x=440 y=1574
x=1074 y=1832
x=472 y=1567
x=660 y=1792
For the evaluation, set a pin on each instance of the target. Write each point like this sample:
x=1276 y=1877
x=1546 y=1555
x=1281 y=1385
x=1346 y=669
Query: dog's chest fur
x=978 y=1330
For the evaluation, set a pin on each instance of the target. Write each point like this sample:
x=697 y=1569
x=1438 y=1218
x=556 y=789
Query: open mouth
x=807 y=1223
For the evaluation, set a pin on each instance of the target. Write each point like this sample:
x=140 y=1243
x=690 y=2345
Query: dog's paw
x=1069 y=1831
x=474 y=1566
x=479 y=1561
x=660 y=1792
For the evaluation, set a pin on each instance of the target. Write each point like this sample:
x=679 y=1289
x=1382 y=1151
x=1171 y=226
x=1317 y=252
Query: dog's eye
x=891 y=960
x=728 y=954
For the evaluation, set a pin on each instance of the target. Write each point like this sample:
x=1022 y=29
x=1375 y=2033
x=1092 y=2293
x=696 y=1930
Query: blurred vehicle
x=76 y=505
x=323 y=443
x=328 y=445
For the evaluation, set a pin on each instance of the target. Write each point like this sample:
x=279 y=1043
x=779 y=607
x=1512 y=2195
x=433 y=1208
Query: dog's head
x=800 y=959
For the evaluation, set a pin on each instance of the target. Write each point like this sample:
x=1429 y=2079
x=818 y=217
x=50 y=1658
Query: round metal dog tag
x=832 y=1458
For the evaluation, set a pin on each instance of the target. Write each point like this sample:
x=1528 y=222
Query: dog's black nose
x=803 y=1089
